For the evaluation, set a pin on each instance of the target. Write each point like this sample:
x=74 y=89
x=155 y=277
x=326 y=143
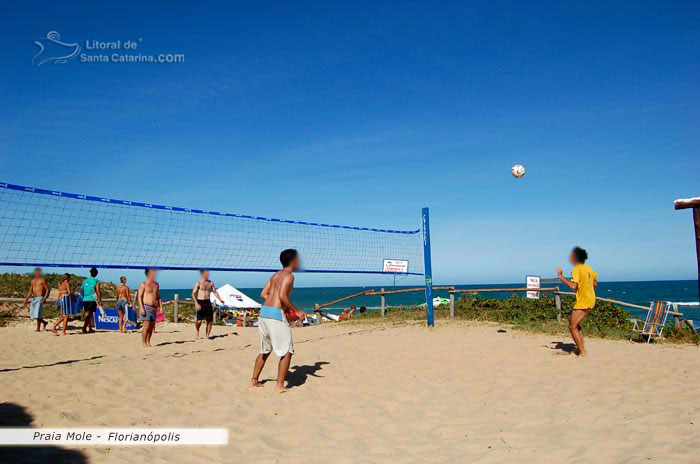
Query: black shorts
x=206 y=313
x=90 y=306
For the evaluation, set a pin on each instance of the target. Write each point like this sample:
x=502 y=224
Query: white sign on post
x=395 y=266
x=532 y=282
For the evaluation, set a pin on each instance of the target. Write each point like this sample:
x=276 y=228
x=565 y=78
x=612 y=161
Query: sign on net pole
x=428 y=269
x=395 y=266
x=532 y=282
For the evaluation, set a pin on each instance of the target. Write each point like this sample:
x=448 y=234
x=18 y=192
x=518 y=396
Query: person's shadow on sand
x=14 y=415
x=298 y=376
x=565 y=348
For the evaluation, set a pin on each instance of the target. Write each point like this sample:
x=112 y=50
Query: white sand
x=458 y=393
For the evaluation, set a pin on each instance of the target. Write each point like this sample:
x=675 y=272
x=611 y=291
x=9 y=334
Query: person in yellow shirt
x=583 y=281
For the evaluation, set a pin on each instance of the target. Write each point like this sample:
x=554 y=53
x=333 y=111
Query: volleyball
x=518 y=171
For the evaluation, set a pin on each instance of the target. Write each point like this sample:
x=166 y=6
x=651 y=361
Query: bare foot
x=256 y=384
x=282 y=390
x=580 y=353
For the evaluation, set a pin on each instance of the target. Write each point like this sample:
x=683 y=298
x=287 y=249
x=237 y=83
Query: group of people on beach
x=276 y=314
x=66 y=301
x=350 y=313
x=148 y=297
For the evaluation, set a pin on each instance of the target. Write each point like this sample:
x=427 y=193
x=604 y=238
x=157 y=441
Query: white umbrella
x=233 y=298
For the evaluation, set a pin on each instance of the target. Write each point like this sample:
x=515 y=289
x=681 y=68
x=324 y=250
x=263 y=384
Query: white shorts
x=275 y=336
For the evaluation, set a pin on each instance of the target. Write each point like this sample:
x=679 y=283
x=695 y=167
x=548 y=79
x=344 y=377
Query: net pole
x=428 y=269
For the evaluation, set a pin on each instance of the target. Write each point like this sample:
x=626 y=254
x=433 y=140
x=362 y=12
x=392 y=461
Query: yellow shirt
x=584 y=276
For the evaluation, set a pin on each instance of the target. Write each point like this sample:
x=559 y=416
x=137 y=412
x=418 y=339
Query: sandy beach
x=364 y=393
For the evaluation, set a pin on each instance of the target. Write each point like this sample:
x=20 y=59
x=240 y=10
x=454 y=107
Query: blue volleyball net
x=48 y=228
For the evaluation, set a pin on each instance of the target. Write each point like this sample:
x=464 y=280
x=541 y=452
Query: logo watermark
x=53 y=50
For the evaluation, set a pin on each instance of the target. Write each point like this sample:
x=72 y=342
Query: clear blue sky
x=363 y=112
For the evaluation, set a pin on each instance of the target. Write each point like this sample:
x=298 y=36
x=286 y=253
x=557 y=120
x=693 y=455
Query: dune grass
x=605 y=321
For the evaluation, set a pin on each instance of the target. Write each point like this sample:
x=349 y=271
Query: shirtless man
x=124 y=301
x=202 y=304
x=149 y=302
x=38 y=292
x=273 y=324
x=65 y=304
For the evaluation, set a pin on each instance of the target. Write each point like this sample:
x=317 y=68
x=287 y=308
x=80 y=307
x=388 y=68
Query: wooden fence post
x=452 y=304
x=676 y=317
x=175 y=308
x=319 y=316
x=557 y=302
x=383 y=304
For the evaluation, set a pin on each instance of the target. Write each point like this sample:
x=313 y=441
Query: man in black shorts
x=202 y=304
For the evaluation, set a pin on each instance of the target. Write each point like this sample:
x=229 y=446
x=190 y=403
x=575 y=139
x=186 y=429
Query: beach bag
x=72 y=307
x=131 y=314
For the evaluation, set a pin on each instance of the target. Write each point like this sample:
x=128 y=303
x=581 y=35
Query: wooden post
x=319 y=316
x=177 y=297
x=452 y=305
x=557 y=302
x=383 y=303
x=695 y=204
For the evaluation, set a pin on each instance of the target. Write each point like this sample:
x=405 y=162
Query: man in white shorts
x=275 y=315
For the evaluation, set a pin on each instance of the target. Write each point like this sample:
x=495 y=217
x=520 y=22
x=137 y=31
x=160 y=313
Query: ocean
x=641 y=293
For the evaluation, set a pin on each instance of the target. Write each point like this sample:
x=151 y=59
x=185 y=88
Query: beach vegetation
x=607 y=320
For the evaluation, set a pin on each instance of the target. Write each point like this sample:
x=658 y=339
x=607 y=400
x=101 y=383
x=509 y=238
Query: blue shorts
x=150 y=314
x=36 y=307
x=122 y=306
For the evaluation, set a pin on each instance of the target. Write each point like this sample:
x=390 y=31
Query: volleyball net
x=41 y=227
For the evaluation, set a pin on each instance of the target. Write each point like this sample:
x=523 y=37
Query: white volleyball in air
x=518 y=171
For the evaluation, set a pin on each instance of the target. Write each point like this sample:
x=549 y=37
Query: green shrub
x=606 y=319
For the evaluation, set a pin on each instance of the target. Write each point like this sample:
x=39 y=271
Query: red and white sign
x=395 y=266
x=532 y=282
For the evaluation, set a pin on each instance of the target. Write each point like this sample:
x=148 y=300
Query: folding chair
x=654 y=323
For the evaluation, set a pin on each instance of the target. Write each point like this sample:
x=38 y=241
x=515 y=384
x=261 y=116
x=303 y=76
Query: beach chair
x=654 y=323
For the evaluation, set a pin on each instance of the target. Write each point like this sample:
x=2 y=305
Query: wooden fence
x=452 y=291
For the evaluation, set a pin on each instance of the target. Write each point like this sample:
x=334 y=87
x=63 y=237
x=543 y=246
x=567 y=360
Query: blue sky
x=309 y=111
